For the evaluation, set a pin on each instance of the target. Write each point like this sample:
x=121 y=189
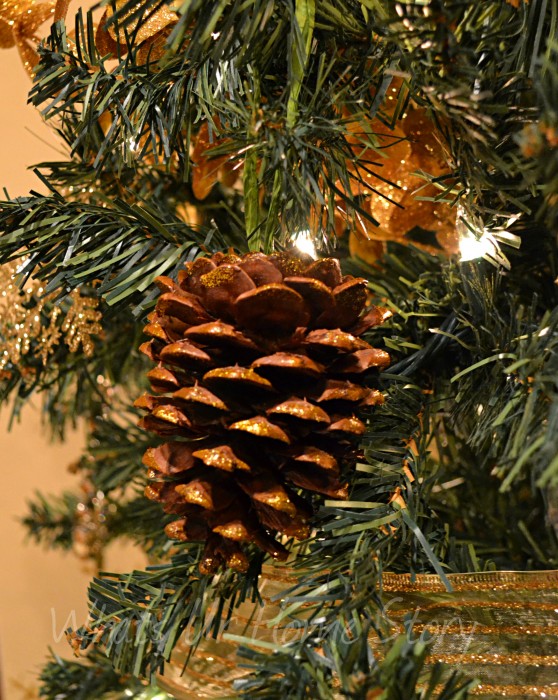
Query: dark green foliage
x=538 y=140
x=94 y=679
x=112 y=465
x=141 y=615
x=124 y=246
x=494 y=395
x=474 y=65
x=456 y=468
x=115 y=447
x=399 y=676
x=51 y=521
x=295 y=145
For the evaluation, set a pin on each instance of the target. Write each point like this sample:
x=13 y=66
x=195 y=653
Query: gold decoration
x=515 y=691
x=21 y=19
x=482 y=581
x=90 y=532
x=19 y=22
x=28 y=325
x=152 y=25
x=499 y=626
x=151 y=34
x=498 y=659
x=390 y=190
x=491 y=627
x=208 y=169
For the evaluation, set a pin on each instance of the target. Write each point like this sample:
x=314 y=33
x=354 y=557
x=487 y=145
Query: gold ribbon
x=151 y=33
x=499 y=627
x=485 y=580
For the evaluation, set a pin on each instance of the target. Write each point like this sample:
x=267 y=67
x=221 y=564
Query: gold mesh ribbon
x=499 y=627
x=215 y=665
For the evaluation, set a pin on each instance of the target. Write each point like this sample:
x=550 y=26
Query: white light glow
x=472 y=248
x=305 y=243
x=477 y=241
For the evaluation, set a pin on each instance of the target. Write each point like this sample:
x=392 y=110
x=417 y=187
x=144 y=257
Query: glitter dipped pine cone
x=258 y=388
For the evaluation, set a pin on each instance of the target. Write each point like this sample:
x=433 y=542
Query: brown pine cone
x=259 y=387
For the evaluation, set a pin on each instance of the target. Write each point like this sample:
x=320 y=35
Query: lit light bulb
x=305 y=243
x=472 y=248
x=477 y=241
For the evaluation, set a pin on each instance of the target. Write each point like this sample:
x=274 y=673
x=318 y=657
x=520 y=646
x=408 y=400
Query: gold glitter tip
x=298 y=408
x=235 y=530
x=221 y=457
x=261 y=427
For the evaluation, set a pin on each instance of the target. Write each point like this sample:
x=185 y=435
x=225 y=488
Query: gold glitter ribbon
x=485 y=580
x=498 y=627
x=151 y=32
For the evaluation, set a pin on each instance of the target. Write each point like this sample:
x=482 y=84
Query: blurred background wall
x=40 y=591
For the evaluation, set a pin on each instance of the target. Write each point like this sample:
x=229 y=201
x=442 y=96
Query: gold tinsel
x=28 y=325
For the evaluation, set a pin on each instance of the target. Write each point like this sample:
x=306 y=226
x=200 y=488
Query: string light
x=472 y=248
x=477 y=241
x=304 y=242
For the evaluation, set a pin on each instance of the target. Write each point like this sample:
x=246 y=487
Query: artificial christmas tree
x=204 y=128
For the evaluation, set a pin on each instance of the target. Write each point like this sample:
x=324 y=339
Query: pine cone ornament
x=259 y=389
